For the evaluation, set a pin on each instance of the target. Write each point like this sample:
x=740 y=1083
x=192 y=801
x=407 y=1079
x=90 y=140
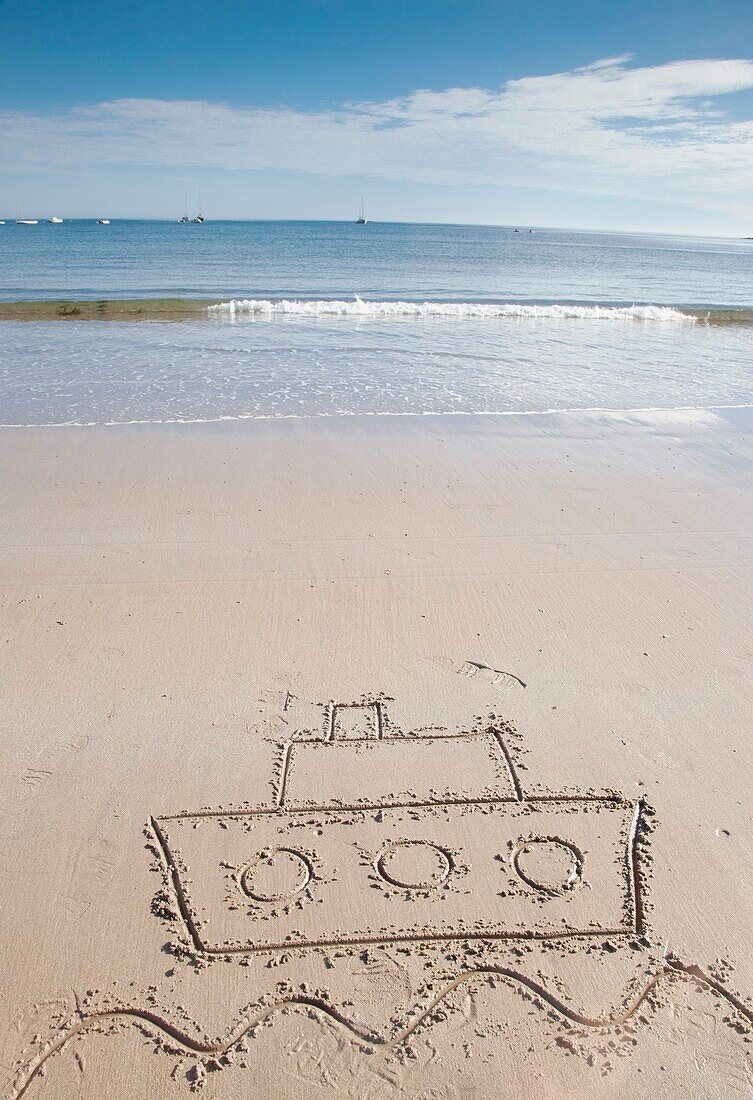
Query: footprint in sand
x=497 y=677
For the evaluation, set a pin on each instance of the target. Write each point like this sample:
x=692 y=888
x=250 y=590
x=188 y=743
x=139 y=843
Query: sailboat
x=361 y=219
x=199 y=219
x=27 y=221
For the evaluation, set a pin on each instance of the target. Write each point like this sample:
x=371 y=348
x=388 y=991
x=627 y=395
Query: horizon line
x=44 y=219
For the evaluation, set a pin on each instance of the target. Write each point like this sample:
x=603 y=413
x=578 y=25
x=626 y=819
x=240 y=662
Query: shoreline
x=649 y=414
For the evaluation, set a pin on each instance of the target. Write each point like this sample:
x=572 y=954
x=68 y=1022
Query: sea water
x=313 y=319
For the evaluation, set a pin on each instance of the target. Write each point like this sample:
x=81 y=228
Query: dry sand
x=377 y=758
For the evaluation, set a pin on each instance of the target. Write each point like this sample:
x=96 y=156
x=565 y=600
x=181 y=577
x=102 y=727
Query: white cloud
x=608 y=128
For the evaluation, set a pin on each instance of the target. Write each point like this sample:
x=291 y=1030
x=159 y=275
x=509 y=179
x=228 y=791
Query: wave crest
x=358 y=307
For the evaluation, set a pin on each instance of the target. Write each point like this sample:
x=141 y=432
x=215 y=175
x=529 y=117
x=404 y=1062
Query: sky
x=597 y=115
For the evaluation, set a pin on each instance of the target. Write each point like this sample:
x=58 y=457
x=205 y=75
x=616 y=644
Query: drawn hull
x=498 y=870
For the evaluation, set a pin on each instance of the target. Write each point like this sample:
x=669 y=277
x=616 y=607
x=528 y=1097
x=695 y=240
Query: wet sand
x=373 y=758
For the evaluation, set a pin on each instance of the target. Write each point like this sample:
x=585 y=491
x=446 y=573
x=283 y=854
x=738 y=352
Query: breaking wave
x=358 y=307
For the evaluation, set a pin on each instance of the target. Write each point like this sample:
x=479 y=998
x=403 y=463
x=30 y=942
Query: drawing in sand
x=424 y=846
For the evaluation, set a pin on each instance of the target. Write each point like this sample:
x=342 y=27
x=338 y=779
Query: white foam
x=358 y=307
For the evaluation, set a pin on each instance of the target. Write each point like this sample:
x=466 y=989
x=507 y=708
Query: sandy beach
x=373 y=758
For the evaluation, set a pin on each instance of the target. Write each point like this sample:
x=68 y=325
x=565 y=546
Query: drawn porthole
x=276 y=874
x=413 y=864
x=548 y=864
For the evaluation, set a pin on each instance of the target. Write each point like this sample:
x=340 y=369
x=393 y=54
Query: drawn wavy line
x=150 y=1021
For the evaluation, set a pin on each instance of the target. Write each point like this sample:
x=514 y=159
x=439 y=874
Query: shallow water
x=114 y=372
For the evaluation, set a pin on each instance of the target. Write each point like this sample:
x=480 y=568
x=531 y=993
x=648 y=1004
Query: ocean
x=335 y=319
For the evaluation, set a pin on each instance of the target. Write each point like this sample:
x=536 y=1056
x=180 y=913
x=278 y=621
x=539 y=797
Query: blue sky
x=615 y=115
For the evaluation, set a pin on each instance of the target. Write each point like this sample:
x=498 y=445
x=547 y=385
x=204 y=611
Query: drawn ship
x=367 y=818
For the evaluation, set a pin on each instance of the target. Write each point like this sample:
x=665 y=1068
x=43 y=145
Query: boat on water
x=199 y=219
x=361 y=219
x=54 y=221
x=103 y=221
x=27 y=221
x=184 y=220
